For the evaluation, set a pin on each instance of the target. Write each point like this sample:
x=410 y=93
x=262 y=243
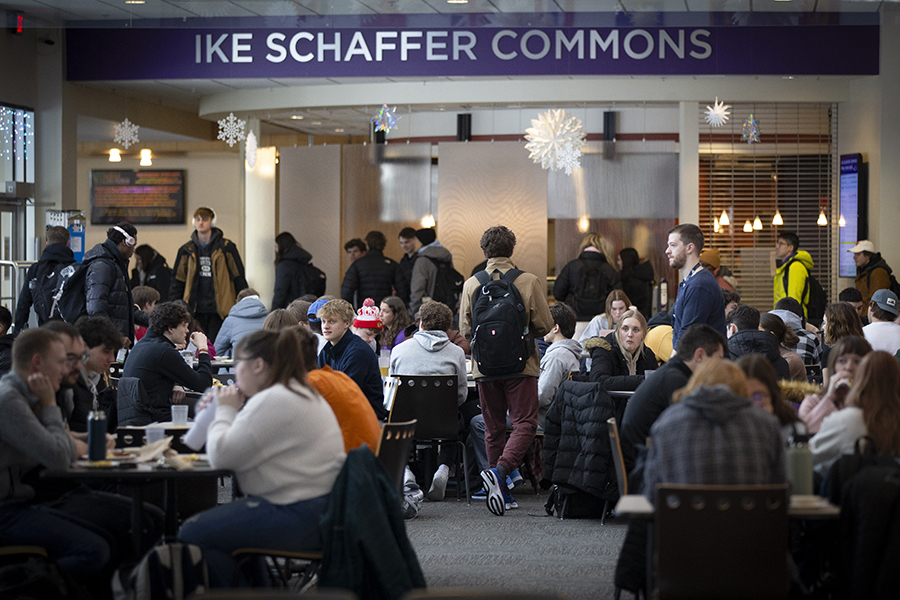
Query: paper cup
x=179 y=415
x=154 y=434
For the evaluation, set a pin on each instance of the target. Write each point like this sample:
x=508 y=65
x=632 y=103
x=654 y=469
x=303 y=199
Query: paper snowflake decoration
x=555 y=140
x=750 y=130
x=717 y=114
x=231 y=129
x=126 y=134
x=250 y=149
x=386 y=118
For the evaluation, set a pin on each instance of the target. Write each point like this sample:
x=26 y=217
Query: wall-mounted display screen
x=854 y=210
x=139 y=197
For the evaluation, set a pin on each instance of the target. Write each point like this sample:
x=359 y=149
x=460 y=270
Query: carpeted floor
x=524 y=550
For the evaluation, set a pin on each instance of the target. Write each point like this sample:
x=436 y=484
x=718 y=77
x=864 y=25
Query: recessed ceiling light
x=297 y=117
x=339 y=130
x=134 y=1
x=316 y=123
x=457 y=1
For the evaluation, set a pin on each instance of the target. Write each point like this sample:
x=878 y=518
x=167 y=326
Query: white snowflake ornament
x=126 y=134
x=231 y=129
x=250 y=149
x=555 y=140
x=717 y=114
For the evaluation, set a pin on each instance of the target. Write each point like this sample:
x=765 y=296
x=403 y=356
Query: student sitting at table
x=285 y=447
x=619 y=359
x=161 y=369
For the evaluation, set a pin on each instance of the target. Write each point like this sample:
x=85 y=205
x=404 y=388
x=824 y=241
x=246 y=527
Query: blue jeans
x=72 y=543
x=252 y=523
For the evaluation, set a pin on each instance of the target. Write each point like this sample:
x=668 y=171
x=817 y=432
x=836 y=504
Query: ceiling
x=186 y=94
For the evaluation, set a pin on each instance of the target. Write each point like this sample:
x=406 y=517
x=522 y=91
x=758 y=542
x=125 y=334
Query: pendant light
x=822 y=221
x=777 y=220
x=723 y=220
x=757 y=224
x=748 y=227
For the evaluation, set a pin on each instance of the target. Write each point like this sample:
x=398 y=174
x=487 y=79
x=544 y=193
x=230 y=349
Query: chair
x=432 y=401
x=721 y=541
x=393 y=449
x=225 y=378
x=618 y=460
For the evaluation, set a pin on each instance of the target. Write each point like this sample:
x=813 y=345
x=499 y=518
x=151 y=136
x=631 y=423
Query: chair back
x=393 y=449
x=721 y=541
x=131 y=400
x=617 y=458
x=432 y=401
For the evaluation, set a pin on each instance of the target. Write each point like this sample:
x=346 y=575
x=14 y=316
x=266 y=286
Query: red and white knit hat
x=367 y=317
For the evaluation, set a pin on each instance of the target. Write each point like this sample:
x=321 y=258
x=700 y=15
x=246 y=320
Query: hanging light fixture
x=145 y=158
x=757 y=224
x=748 y=227
x=428 y=221
x=115 y=155
x=723 y=220
x=716 y=227
x=777 y=220
x=822 y=221
x=842 y=222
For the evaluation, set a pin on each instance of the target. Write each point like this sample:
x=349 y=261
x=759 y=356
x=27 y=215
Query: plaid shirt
x=809 y=348
x=716 y=438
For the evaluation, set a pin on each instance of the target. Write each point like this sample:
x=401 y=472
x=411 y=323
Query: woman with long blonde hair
x=619 y=359
x=872 y=409
x=584 y=283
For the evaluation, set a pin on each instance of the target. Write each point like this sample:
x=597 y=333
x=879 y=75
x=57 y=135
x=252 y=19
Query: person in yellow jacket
x=794 y=266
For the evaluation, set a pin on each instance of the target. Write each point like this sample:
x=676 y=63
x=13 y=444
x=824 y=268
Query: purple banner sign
x=217 y=53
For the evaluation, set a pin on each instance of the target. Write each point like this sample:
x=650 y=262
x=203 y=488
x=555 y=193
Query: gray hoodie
x=431 y=353
x=424 y=274
x=559 y=360
x=245 y=317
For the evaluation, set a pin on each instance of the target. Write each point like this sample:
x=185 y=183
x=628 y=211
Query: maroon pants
x=519 y=396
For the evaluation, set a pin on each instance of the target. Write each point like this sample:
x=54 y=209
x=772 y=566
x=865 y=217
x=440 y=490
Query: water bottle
x=96 y=426
x=799 y=465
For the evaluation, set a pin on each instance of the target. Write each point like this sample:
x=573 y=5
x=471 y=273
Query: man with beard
x=699 y=298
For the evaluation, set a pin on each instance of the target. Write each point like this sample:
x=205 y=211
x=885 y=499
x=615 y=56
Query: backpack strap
x=483 y=277
x=511 y=275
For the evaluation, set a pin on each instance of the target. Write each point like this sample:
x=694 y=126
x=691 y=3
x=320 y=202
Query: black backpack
x=818 y=300
x=169 y=570
x=501 y=338
x=70 y=300
x=448 y=283
x=43 y=286
x=591 y=291
x=312 y=280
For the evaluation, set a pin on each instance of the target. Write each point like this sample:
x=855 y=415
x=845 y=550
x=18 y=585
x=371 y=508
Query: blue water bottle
x=96 y=426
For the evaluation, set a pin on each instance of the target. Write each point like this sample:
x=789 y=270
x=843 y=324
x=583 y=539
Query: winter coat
x=157 y=275
x=568 y=284
x=533 y=292
x=6 y=344
x=754 y=341
x=107 y=291
x=798 y=267
x=649 y=401
x=810 y=347
x=424 y=275
x=227 y=272
x=289 y=284
x=561 y=358
x=608 y=367
x=406 y=269
x=876 y=275
x=354 y=357
x=576 y=443
x=639 y=287
x=245 y=317
x=159 y=367
x=431 y=353
x=40 y=285
x=713 y=437
x=373 y=276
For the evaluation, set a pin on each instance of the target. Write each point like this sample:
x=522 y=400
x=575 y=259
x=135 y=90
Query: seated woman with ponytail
x=285 y=447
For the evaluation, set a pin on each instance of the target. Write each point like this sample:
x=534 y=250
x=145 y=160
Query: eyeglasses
x=72 y=359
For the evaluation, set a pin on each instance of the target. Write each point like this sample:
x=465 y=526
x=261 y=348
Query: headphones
x=129 y=241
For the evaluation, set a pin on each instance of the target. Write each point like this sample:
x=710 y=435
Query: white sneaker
x=438 y=486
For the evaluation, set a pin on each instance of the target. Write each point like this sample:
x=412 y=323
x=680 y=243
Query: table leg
x=171 y=507
x=650 y=560
x=137 y=519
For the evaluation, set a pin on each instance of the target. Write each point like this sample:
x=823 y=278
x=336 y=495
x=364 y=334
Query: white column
x=259 y=224
x=689 y=163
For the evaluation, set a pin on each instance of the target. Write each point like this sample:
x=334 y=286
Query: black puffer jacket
x=639 y=287
x=107 y=291
x=373 y=276
x=754 y=341
x=576 y=442
x=159 y=277
x=289 y=277
x=568 y=284
x=608 y=366
x=40 y=284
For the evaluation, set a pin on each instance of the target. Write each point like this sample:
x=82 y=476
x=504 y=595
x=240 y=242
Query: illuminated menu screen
x=849 y=229
x=139 y=197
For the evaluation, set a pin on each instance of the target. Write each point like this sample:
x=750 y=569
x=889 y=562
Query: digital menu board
x=853 y=210
x=139 y=197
